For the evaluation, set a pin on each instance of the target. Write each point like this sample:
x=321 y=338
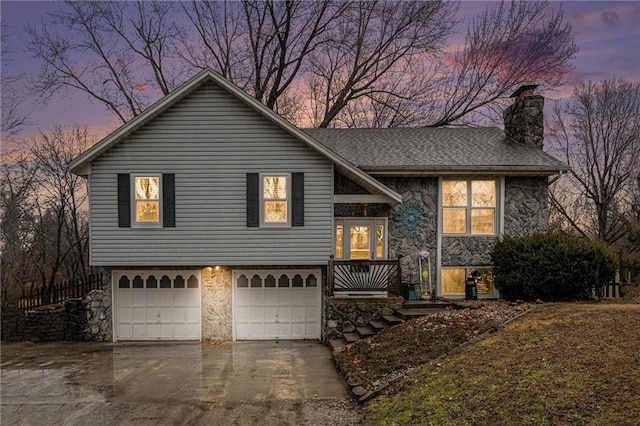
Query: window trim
x=469 y=208
x=373 y=222
x=262 y=200
x=134 y=201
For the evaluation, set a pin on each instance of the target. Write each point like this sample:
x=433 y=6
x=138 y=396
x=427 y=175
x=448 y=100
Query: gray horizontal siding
x=210 y=140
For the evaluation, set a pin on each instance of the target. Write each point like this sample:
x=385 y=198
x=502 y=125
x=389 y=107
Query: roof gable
x=81 y=164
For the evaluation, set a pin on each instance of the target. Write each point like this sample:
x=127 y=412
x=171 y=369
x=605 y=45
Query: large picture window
x=275 y=199
x=454 y=280
x=469 y=206
x=146 y=192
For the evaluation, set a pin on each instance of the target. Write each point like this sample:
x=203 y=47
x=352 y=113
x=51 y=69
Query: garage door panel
x=284 y=314
x=284 y=329
x=298 y=330
x=257 y=297
x=270 y=312
x=284 y=297
x=276 y=304
x=257 y=314
x=298 y=297
x=311 y=314
x=271 y=330
x=179 y=314
x=166 y=297
x=139 y=314
x=179 y=298
x=311 y=297
x=257 y=330
x=138 y=298
x=298 y=313
x=152 y=305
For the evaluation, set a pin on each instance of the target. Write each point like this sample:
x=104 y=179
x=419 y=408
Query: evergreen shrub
x=551 y=267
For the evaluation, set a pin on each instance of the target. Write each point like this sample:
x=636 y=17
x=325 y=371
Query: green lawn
x=559 y=364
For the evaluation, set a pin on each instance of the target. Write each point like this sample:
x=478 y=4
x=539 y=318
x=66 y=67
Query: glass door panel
x=360 y=242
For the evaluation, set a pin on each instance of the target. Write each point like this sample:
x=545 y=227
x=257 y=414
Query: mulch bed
x=371 y=363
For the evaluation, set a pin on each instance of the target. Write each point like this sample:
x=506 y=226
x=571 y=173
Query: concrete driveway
x=243 y=383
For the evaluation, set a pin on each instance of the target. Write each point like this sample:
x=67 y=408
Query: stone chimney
x=524 y=120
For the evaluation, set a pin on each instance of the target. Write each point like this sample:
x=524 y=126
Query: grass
x=558 y=365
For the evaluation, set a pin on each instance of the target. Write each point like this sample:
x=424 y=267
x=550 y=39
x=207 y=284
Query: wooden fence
x=59 y=292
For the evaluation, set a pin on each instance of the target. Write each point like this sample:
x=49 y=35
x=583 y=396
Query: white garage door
x=157 y=305
x=277 y=304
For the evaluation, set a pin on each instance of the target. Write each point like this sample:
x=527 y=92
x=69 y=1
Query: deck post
x=399 y=280
x=330 y=272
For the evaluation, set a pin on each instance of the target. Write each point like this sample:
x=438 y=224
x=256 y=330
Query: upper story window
x=469 y=206
x=276 y=194
x=146 y=192
x=147 y=200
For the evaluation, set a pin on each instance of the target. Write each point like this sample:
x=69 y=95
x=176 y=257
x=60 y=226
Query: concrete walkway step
x=350 y=337
x=336 y=344
x=378 y=325
x=392 y=319
x=365 y=331
x=408 y=314
x=426 y=304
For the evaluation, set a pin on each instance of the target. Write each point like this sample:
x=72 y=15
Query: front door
x=360 y=238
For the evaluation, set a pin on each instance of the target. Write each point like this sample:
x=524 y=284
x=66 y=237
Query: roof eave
x=464 y=170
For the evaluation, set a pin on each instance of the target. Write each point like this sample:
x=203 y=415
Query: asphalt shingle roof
x=433 y=150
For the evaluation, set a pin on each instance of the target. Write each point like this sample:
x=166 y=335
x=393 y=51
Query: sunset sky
x=607 y=33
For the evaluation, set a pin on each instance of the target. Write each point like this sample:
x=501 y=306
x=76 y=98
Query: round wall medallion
x=411 y=219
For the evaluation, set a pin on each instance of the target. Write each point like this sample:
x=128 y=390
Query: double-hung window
x=146 y=191
x=469 y=206
x=275 y=199
x=146 y=200
x=276 y=194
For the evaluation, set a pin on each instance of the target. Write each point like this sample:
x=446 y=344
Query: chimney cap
x=524 y=88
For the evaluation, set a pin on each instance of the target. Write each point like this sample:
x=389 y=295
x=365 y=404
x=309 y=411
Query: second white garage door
x=276 y=304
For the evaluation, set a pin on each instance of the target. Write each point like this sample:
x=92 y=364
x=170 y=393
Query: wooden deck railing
x=361 y=276
x=59 y=292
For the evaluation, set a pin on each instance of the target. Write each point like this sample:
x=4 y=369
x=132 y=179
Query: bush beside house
x=551 y=267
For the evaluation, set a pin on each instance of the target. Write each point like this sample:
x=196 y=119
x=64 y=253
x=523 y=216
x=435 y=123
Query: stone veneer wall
x=526 y=205
x=343 y=315
x=404 y=242
x=216 y=304
x=97 y=305
x=467 y=251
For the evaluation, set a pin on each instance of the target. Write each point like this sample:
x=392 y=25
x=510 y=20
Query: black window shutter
x=124 y=200
x=169 y=200
x=297 y=198
x=253 y=200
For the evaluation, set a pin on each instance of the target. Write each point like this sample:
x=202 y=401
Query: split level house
x=215 y=218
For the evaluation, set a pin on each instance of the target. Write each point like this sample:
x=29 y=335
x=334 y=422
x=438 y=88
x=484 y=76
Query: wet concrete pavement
x=242 y=383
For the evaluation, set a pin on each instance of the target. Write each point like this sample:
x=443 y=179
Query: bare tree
x=598 y=134
x=376 y=45
x=505 y=47
x=12 y=117
x=329 y=62
x=61 y=234
x=262 y=46
x=17 y=186
x=114 y=52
